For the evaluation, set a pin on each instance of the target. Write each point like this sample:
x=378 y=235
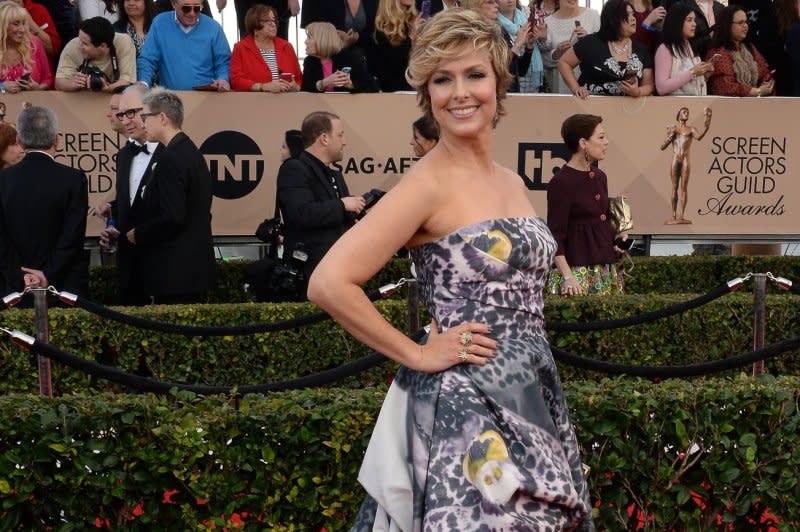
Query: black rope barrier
x=642 y=318
x=198 y=330
x=146 y=384
x=676 y=372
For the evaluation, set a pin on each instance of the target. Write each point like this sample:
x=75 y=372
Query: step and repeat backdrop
x=735 y=161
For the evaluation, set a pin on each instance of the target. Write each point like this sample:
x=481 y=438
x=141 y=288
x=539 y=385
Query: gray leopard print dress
x=480 y=448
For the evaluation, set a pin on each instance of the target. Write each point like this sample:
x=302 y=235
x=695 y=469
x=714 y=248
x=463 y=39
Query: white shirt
x=138 y=167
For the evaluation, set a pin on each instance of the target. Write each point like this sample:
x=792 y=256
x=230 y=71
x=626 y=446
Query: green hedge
x=289 y=461
x=650 y=275
x=220 y=360
x=230 y=284
x=714 y=331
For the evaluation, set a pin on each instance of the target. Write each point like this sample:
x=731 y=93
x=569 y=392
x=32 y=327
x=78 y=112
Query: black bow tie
x=136 y=149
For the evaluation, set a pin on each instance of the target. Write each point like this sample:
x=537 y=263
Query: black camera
x=96 y=76
x=372 y=197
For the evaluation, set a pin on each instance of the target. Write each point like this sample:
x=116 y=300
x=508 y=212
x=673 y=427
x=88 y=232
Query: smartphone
x=345 y=70
x=26 y=76
x=630 y=74
x=624 y=245
x=287 y=76
x=426 y=9
x=577 y=23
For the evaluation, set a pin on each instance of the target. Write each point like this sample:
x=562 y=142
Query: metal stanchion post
x=43 y=335
x=413 y=306
x=759 y=317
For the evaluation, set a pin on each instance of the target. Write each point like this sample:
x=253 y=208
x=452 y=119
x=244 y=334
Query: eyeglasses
x=129 y=114
x=269 y=22
x=189 y=9
x=741 y=22
x=145 y=116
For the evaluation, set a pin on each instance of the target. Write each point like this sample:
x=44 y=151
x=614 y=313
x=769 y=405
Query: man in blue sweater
x=186 y=49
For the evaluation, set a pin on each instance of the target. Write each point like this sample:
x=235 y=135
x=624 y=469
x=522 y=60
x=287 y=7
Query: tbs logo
x=537 y=162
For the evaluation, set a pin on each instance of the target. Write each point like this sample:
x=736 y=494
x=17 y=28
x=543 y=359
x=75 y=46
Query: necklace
x=621 y=50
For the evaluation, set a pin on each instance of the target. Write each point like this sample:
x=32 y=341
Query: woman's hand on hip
x=466 y=343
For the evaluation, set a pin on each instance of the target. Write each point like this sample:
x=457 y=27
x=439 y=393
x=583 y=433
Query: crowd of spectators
x=632 y=48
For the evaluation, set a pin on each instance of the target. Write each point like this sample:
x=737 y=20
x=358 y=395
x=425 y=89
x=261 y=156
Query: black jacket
x=43 y=210
x=313 y=213
x=174 y=251
x=124 y=212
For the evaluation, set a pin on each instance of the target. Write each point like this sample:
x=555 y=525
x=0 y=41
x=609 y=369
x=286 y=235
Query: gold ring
x=462 y=355
x=465 y=338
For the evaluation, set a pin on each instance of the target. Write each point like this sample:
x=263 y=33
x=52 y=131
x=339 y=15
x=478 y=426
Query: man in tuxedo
x=43 y=210
x=135 y=161
x=170 y=229
x=316 y=205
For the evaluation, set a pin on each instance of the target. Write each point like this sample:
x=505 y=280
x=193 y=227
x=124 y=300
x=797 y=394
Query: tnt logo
x=235 y=163
x=537 y=162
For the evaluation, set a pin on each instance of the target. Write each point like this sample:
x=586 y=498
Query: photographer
x=316 y=205
x=98 y=59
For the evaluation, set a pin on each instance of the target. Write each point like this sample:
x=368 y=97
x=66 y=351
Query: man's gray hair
x=37 y=128
x=137 y=88
x=163 y=101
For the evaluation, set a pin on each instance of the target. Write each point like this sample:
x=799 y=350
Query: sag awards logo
x=537 y=162
x=235 y=162
x=94 y=153
x=744 y=170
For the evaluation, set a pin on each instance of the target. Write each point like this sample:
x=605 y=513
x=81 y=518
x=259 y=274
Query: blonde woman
x=330 y=67
x=474 y=427
x=23 y=61
x=395 y=25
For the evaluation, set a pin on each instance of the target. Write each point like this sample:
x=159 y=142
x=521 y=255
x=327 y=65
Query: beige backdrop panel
x=741 y=172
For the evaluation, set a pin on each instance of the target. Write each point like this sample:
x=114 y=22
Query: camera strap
x=114 y=62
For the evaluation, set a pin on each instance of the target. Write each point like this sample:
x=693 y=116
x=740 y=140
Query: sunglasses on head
x=189 y=9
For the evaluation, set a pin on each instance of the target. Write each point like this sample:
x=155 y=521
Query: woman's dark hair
x=252 y=19
x=149 y=14
x=8 y=137
x=426 y=127
x=614 y=13
x=294 y=141
x=672 y=31
x=540 y=2
x=723 y=29
x=578 y=127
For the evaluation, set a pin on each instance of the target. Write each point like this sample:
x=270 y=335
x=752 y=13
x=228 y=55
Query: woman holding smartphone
x=330 y=67
x=679 y=71
x=262 y=61
x=741 y=69
x=565 y=27
x=612 y=63
x=23 y=61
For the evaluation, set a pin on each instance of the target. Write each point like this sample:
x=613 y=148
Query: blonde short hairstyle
x=443 y=37
x=327 y=41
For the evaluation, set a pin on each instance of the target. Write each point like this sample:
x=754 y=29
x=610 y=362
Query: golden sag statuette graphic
x=680 y=136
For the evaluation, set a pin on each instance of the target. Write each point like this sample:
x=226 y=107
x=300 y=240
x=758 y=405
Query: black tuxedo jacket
x=43 y=210
x=312 y=212
x=124 y=213
x=174 y=254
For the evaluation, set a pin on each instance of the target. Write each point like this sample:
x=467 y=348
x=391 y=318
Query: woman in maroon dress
x=577 y=215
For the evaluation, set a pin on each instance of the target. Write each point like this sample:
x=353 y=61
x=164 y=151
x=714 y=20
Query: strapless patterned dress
x=486 y=448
